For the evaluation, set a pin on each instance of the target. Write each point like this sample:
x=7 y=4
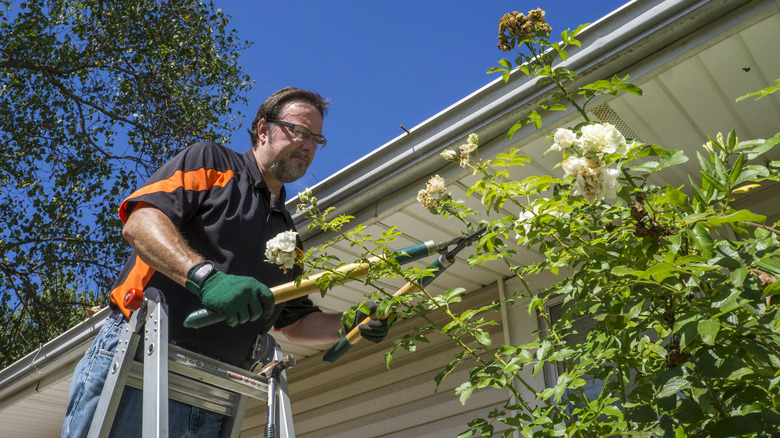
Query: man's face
x=281 y=155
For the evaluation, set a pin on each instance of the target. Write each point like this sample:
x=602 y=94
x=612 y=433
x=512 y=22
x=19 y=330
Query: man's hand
x=375 y=331
x=241 y=299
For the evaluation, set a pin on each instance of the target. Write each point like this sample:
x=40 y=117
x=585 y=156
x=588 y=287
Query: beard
x=288 y=170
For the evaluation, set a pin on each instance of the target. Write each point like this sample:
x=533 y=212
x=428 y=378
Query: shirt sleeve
x=294 y=310
x=180 y=186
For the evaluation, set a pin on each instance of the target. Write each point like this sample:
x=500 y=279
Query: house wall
x=359 y=396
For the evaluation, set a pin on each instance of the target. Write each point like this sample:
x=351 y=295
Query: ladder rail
x=162 y=372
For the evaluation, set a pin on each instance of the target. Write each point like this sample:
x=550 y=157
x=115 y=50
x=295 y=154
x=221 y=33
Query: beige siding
x=359 y=396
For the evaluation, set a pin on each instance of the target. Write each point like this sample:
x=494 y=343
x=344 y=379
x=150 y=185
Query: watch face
x=204 y=270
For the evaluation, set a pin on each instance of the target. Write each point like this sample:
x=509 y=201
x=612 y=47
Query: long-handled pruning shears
x=291 y=290
x=444 y=261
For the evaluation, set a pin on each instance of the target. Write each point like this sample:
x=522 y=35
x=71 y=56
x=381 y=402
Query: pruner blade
x=459 y=242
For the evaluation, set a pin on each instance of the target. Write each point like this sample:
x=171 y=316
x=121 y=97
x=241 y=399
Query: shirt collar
x=256 y=178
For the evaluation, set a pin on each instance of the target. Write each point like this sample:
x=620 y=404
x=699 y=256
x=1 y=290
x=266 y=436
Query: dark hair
x=272 y=107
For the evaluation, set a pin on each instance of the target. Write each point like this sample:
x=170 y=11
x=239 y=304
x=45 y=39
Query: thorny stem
x=766 y=227
x=539 y=60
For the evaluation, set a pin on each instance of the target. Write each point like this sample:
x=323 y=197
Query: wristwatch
x=200 y=272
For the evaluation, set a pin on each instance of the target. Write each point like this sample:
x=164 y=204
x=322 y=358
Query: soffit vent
x=605 y=114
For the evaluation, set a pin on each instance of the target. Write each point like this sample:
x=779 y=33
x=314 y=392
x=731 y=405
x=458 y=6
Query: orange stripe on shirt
x=201 y=179
x=136 y=279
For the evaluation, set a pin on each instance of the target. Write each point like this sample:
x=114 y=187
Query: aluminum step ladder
x=166 y=371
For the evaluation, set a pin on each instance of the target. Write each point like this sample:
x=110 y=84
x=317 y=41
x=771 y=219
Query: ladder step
x=200 y=381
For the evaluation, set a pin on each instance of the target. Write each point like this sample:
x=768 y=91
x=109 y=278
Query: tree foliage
x=94 y=96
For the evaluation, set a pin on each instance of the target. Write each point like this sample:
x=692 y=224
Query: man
x=198 y=229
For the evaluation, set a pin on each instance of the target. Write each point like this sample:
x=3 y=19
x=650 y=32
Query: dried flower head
x=591 y=180
x=472 y=143
x=436 y=185
x=517 y=25
x=511 y=23
x=435 y=192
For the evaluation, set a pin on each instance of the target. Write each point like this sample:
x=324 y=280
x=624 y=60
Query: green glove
x=241 y=299
x=375 y=331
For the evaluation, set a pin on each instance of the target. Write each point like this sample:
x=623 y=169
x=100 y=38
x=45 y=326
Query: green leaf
x=703 y=241
x=729 y=304
x=659 y=272
x=704 y=162
x=737 y=169
x=482 y=337
x=770 y=265
x=772 y=289
x=739 y=425
x=647 y=166
x=763 y=147
x=762 y=93
x=677 y=157
x=536 y=119
x=689 y=411
x=673 y=386
x=464 y=390
x=737 y=216
x=629 y=88
x=622 y=270
x=708 y=330
x=714 y=182
x=515 y=127
x=677 y=198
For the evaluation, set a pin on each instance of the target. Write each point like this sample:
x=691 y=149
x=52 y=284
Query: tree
x=94 y=96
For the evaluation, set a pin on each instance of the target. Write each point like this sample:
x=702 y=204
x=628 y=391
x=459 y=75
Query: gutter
x=50 y=363
x=392 y=174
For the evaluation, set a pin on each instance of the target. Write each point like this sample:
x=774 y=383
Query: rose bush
x=678 y=284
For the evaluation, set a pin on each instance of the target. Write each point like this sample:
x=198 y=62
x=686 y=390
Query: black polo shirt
x=220 y=204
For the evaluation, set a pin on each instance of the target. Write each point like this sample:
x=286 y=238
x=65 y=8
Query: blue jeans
x=89 y=378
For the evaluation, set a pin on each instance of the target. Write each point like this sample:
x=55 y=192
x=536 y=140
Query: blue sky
x=382 y=63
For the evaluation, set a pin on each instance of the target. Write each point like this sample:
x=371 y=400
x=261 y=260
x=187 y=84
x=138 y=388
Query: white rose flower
x=564 y=139
x=574 y=165
x=449 y=155
x=609 y=176
x=281 y=250
x=436 y=185
x=468 y=148
x=590 y=139
x=600 y=139
x=614 y=142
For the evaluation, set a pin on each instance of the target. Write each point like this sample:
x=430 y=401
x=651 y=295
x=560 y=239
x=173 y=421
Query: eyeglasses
x=301 y=132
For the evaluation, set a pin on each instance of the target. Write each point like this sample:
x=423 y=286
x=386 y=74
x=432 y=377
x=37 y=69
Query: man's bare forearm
x=158 y=243
x=317 y=328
